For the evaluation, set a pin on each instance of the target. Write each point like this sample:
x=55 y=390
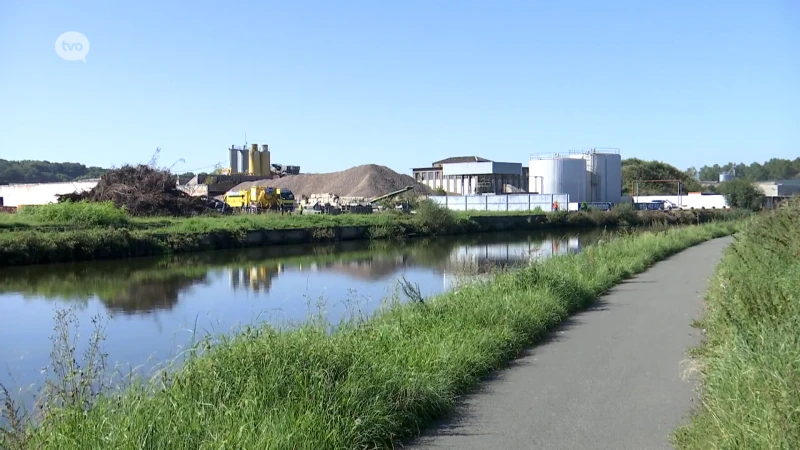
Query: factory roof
x=461 y=159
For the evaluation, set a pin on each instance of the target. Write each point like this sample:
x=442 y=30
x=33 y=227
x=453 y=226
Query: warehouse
x=468 y=175
x=777 y=191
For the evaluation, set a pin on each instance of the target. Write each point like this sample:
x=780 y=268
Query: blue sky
x=330 y=85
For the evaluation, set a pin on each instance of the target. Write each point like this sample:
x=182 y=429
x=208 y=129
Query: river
x=152 y=307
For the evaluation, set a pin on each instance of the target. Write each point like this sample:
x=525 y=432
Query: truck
x=260 y=198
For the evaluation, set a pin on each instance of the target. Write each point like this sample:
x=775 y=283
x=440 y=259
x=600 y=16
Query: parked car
x=665 y=205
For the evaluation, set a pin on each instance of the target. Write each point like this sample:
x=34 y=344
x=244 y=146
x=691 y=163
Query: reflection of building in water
x=466 y=260
x=255 y=278
x=370 y=268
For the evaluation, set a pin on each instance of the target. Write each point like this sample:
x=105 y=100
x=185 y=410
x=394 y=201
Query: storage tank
x=255 y=160
x=725 y=176
x=233 y=160
x=245 y=166
x=559 y=175
x=606 y=176
x=265 y=162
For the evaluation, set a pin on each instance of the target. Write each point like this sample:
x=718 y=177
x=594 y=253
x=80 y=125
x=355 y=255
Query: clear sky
x=329 y=85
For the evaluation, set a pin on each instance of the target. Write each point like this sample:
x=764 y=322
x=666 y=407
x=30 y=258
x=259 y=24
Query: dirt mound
x=369 y=180
x=142 y=191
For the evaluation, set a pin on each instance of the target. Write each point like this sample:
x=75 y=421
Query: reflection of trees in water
x=152 y=295
x=149 y=284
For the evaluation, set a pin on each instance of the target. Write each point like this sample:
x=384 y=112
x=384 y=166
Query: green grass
x=750 y=361
x=147 y=237
x=368 y=383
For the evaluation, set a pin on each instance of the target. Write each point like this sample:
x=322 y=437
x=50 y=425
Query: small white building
x=469 y=175
x=22 y=194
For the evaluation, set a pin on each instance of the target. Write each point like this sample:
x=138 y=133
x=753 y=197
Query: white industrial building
x=593 y=175
x=469 y=175
x=20 y=194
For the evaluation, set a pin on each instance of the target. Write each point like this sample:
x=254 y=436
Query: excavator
x=260 y=198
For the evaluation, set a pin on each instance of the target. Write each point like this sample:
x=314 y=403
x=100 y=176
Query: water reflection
x=157 y=304
x=153 y=284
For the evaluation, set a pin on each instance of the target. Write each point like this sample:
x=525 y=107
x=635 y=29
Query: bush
x=80 y=213
x=434 y=219
x=740 y=193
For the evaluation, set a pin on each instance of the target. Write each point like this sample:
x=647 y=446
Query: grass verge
x=368 y=383
x=102 y=233
x=750 y=361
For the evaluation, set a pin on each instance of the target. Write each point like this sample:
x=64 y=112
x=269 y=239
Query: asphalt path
x=612 y=377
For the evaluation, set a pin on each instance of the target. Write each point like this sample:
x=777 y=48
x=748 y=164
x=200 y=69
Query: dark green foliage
x=740 y=193
x=27 y=171
x=634 y=169
x=774 y=169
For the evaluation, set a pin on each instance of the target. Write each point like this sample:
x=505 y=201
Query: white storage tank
x=603 y=175
x=606 y=176
x=725 y=176
x=558 y=175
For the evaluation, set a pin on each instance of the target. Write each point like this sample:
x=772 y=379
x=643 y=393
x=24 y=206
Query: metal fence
x=508 y=202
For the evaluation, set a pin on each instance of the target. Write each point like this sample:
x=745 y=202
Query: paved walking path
x=609 y=379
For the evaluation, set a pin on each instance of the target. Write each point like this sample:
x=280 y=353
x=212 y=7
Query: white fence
x=508 y=202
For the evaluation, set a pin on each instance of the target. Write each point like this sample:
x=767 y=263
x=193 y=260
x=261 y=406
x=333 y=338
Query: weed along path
x=609 y=378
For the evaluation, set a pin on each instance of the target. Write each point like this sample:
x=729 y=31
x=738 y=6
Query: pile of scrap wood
x=143 y=191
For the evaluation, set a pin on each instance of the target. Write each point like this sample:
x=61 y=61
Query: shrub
x=435 y=219
x=82 y=213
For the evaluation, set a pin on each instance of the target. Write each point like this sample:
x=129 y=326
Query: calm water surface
x=152 y=306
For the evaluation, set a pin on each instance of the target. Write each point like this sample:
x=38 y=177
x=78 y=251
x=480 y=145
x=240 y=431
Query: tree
x=740 y=193
x=774 y=169
x=30 y=171
x=634 y=169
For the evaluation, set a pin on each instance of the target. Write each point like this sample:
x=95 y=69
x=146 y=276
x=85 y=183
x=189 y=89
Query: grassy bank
x=368 y=383
x=85 y=231
x=750 y=362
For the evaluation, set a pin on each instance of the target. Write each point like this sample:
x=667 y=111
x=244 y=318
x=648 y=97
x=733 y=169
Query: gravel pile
x=369 y=180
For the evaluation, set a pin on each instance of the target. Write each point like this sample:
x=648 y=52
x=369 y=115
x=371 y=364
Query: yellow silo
x=255 y=160
x=265 y=162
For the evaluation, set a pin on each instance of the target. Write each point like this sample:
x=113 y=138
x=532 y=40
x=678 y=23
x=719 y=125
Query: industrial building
x=777 y=191
x=21 y=194
x=592 y=175
x=469 y=175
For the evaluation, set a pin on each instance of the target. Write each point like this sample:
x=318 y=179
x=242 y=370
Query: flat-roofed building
x=469 y=175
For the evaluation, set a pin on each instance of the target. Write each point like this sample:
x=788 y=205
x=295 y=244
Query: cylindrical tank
x=606 y=176
x=265 y=162
x=245 y=167
x=255 y=160
x=234 y=160
x=725 y=176
x=560 y=176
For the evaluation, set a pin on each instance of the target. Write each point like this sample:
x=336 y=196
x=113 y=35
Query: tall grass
x=750 y=362
x=82 y=213
x=369 y=382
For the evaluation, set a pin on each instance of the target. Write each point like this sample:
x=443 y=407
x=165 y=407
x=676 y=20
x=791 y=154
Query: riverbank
x=750 y=363
x=368 y=383
x=79 y=232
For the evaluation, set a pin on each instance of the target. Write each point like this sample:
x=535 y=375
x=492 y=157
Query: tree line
x=30 y=171
x=774 y=169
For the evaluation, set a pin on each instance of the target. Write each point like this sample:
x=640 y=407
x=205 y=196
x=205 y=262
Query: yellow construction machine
x=260 y=198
